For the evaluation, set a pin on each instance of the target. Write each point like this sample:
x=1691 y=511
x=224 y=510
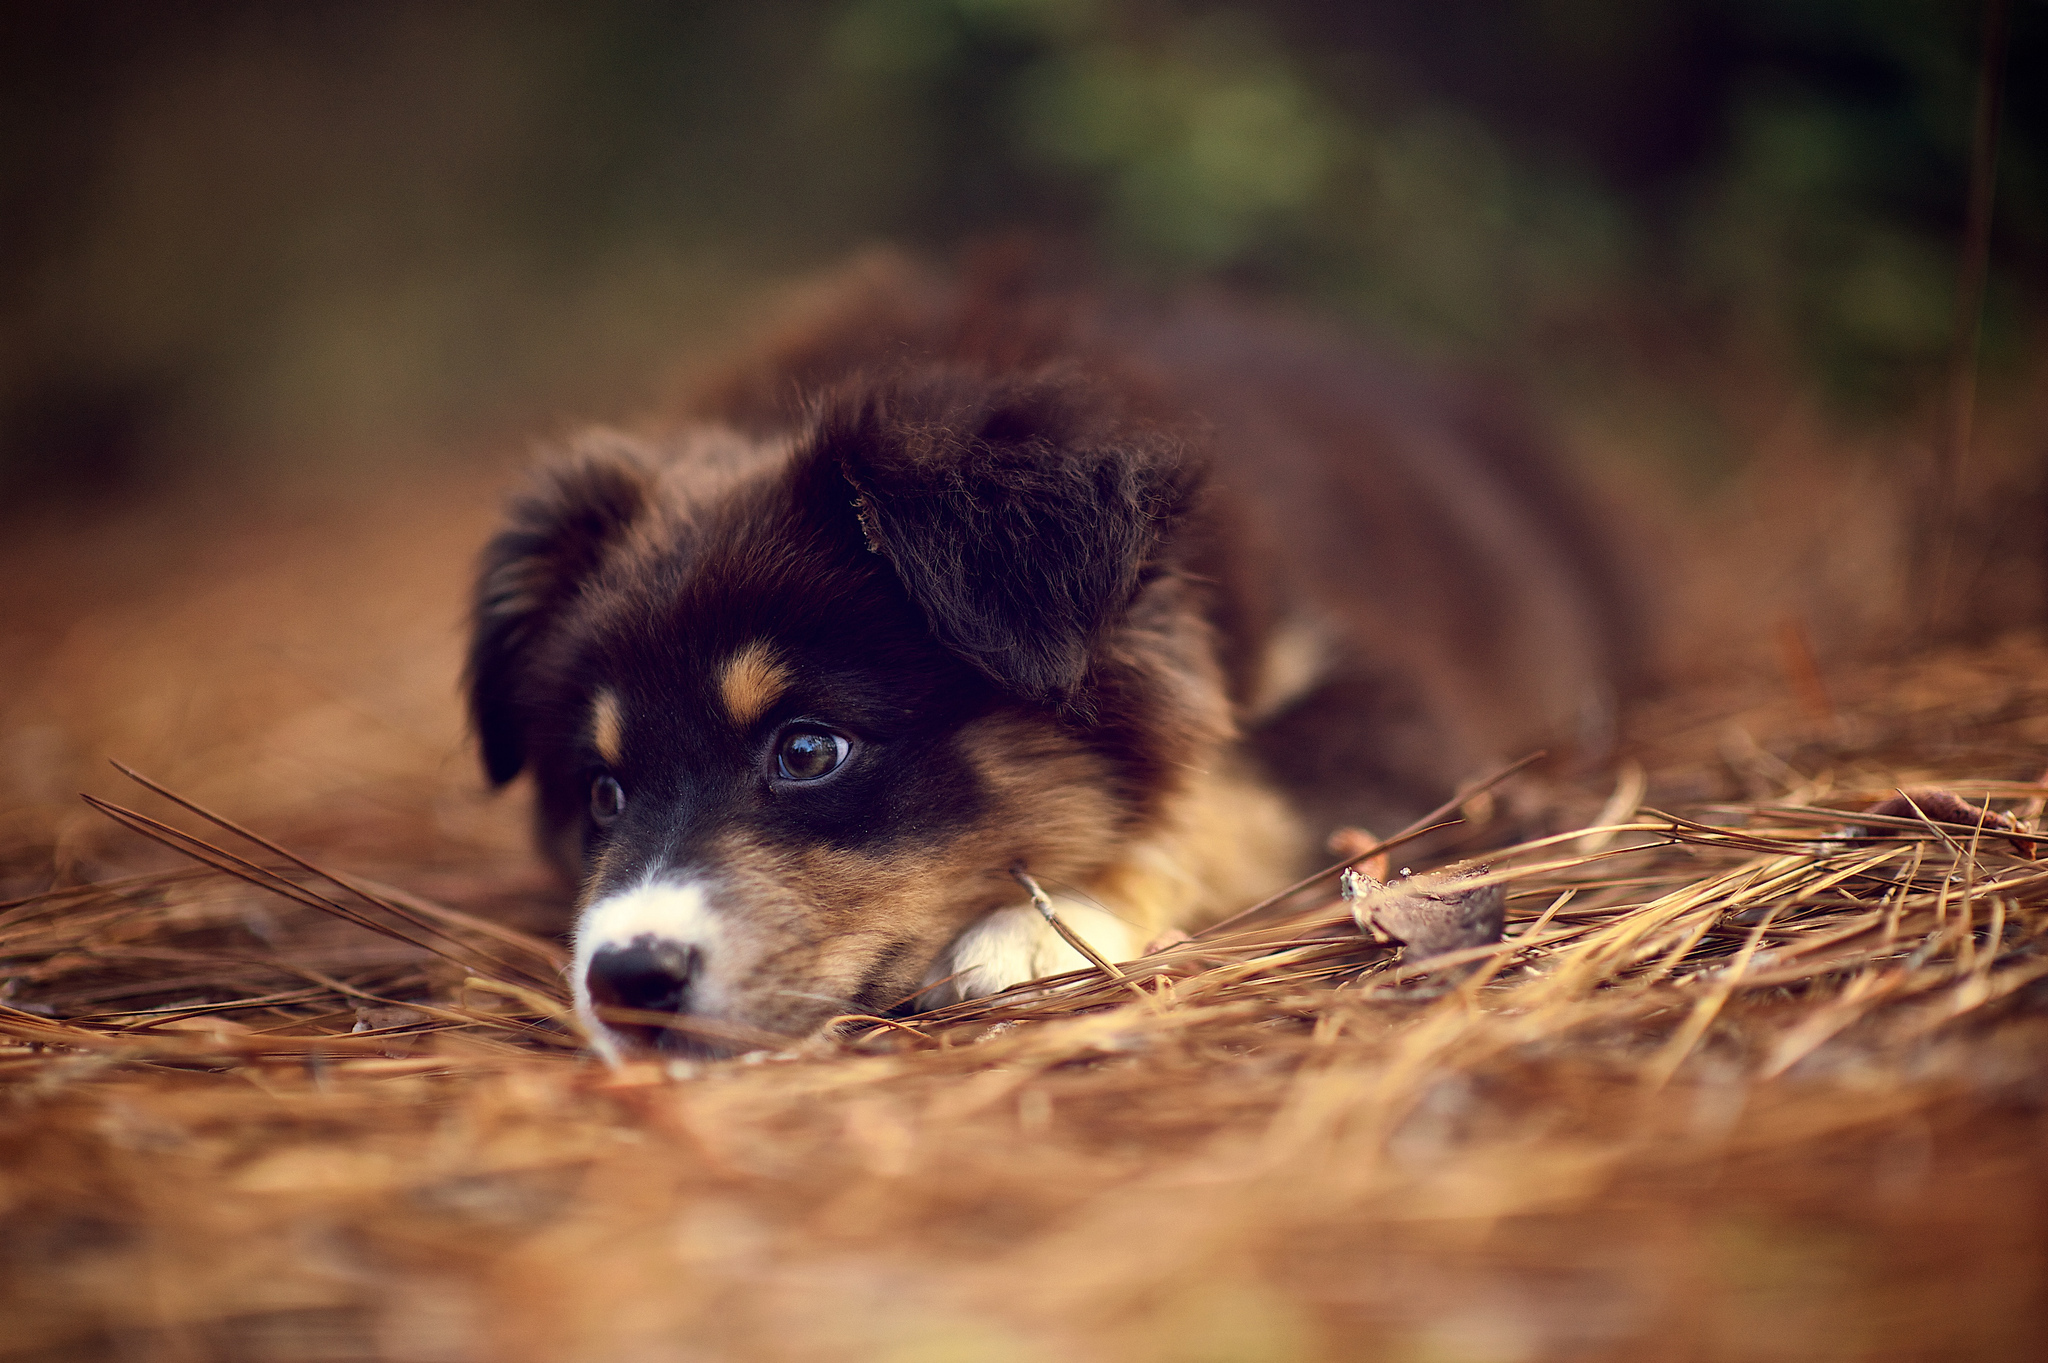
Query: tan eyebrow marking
x=752 y=681
x=608 y=727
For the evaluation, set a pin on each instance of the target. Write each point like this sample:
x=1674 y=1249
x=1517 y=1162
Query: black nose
x=647 y=975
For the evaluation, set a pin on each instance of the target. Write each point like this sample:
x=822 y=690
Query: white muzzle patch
x=673 y=914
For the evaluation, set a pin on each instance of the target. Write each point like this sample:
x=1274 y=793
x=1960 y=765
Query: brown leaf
x=1945 y=806
x=1430 y=914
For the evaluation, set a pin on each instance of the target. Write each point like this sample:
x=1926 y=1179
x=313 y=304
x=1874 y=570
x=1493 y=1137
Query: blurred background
x=287 y=293
x=286 y=237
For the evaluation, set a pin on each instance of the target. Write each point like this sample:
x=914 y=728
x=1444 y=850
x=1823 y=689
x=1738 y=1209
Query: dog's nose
x=648 y=975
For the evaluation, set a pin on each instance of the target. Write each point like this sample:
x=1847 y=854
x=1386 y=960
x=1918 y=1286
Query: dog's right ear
x=533 y=568
x=1021 y=515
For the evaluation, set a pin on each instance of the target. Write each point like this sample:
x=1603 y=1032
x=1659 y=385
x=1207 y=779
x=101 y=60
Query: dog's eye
x=607 y=799
x=807 y=754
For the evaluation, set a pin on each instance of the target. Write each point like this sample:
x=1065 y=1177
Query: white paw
x=1016 y=944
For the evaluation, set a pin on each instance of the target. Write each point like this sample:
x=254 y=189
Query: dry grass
x=1736 y=1086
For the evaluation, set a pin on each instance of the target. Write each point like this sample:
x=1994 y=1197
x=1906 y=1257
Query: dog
x=970 y=575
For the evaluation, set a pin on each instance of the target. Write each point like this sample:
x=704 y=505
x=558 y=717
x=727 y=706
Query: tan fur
x=1219 y=840
x=1225 y=840
x=607 y=727
x=1296 y=658
x=751 y=682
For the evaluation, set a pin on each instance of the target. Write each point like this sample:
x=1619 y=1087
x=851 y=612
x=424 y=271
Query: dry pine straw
x=1735 y=1086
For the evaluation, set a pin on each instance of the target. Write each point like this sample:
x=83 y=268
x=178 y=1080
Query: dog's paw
x=1016 y=944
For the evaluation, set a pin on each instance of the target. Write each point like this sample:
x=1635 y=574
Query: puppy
x=966 y=577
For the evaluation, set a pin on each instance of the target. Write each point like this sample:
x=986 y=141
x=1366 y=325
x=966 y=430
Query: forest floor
x=1751 y=1077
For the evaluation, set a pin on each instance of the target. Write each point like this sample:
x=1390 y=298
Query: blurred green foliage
x=316 y=229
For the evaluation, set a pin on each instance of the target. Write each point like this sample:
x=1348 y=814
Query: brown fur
x=750 y=682
x=607 y=729
x=1143 y=600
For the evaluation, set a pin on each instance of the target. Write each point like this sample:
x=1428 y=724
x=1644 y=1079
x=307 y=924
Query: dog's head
x=795 y=709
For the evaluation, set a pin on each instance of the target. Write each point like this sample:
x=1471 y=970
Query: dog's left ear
x=1021 y=515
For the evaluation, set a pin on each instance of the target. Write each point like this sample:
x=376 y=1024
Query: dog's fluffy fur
x=969 y=576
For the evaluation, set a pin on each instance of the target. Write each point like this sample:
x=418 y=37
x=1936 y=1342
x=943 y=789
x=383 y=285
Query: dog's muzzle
x=646 y=956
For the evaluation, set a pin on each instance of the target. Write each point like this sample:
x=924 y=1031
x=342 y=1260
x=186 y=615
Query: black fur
x=1016 y=515
x=532 y=571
